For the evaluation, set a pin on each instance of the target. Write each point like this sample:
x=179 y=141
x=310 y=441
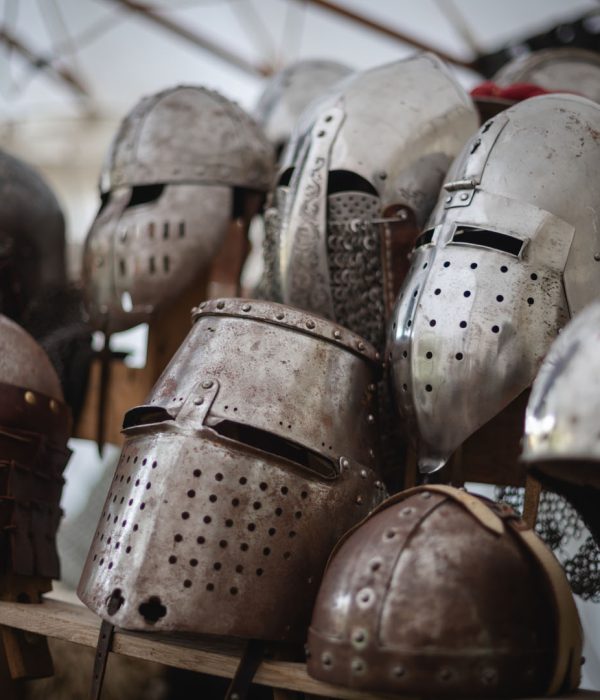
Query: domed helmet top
x=510 y=253
x=377 y=147
x=440 y=593
x=289 y=91
x=34 y=428
x=32 y=236
x=557 y=70
x=256 y=450
x=176 y=174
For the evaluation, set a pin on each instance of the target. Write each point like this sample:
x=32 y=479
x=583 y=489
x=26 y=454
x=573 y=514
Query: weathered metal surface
x=510 y=253
x=563 y=69
x=168 y=200
x=561 y=425
x=375 y=148
x=35 y=425
x=255 y=451
x=32 y=236
x=441 y=593
x=289 y=92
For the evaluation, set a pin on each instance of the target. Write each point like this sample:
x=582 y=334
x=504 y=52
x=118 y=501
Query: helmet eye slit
x=470 y=235
x=144 y=194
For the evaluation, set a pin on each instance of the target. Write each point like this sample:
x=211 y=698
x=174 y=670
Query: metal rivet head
x=326 y=659
x=198 y=402
x=448 y=199
x=359 y=499
x=280 y=316
x=220 y=304
x=360 y=345
x=597 y=257
x=398 y=671
x=194 y=310
x=426 y=495
x=464 y=196
x=370 y=418
x=377 y=356
x=246 y=307
x=402 y=214
x=379 y=484
x=207 y=384
x=406 y=512
x=371 y=452
x=382 y=175
x=358 y=666
x=30 y=398
x=337 y=335
x=344 y=463
x=202 y=305
x=54 y=407
x=310 y=324
x=372 y=387
x=360 y=638
x=365 y=597
x=363 y=473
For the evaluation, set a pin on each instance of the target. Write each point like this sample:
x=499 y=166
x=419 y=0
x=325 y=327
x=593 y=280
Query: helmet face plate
x=175 y=166
x=342 y=185
x=262 y=434
x=494 y=277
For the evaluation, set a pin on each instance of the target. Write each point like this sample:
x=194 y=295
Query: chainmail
x=563 y=530
x=354 y=254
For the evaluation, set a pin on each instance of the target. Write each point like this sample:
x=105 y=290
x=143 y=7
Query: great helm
x=35 y=425
x=32 y=236
x=290 y=91
x=379 y=146
x=560 y=69
x=510 y=253
x=440 y=593
x=175 y=176
x=255 y=452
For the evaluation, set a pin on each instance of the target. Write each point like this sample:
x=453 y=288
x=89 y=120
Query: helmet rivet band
x=30 y=398
x=310 y=324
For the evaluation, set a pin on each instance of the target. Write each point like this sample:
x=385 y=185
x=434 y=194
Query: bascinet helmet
x=561 y=69
x=562 y=438
x=32 y=236
x=35 y=425
x=376 y=148
x=172 y=182
x=439 y=592
x=510 y=253
x=255 y=452
x=290 y=91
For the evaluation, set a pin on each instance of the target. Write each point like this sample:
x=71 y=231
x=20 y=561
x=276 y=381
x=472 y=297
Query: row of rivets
x=31 y=399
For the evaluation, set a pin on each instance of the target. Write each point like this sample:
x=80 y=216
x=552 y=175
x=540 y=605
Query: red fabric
x=517 y=92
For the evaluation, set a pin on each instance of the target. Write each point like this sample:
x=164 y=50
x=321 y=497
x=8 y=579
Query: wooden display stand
x=219 y=657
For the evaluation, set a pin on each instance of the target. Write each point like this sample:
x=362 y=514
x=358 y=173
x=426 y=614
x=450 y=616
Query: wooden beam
x=369 y=23
x=152 y=14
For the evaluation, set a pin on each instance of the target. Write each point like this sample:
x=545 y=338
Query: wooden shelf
x=73 y=622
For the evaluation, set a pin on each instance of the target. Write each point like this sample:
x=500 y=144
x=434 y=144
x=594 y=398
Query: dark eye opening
x=285 y=178
x=277 y=446
x=346 y=181
x=485 y=238
x=425 y=238
x=145 y=415
x=144 y=194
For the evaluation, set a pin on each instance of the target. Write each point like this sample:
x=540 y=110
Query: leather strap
x=103 y=648
x=249 y=663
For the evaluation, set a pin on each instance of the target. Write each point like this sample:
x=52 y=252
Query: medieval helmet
x=346 y=169
x=558 y=69
x=170 y=186
x=438 y=593
x=34 y=428
x=32 y=236
x=507 y=257
x=561 y=424
x=255 y=452
x=289 y=91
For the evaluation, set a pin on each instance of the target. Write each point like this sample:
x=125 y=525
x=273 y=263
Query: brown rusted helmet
x=439 y=592
x=34 y=428
x=255 y=452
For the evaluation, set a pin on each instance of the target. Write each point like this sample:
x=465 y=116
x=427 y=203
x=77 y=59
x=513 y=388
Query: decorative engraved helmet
x=255 y=452
x=290 y=91
x=440 y=593
x=510 y=253
x=35 y=425
x=170 y=187
x=560 y=69
x=32 y=236
x=346 y=169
